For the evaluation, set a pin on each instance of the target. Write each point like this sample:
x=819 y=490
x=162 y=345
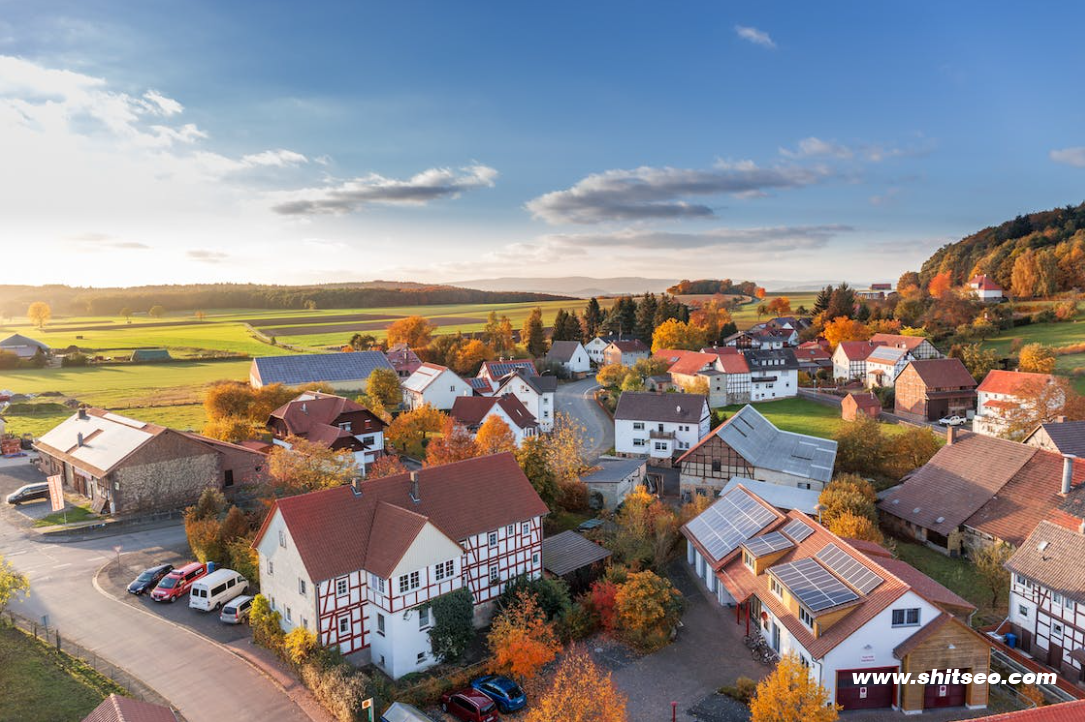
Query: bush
x=266 y=624
x=573 y=496
x=742 y=691
x=341 y=689
x=453 y=624
x=299 y=645
x=579 y=622
x=1045 y=316
x=552 y=595
x=74 y=359
x=648 y=608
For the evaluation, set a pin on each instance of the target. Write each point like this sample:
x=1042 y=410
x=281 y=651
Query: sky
x=282 y=142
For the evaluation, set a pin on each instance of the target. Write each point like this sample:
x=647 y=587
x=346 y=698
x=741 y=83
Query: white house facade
x=659 y=425
x=774 y=373
x=1002 y=394
x=571 y=355
x=438 y=386
x=535 y=392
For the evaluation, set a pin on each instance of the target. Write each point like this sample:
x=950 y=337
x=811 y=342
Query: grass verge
x=956 y=574
x=71 y=516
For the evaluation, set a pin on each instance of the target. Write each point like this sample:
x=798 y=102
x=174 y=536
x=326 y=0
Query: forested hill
x=109 y=301
x=1047 y=249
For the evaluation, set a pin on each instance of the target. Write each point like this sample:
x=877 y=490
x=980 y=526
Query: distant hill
x=1053 y=243
x=579 y=286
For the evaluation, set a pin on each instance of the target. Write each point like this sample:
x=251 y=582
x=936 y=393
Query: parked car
x=175 y=584
x=219 y=586
x=952 y=420
x=236 y=611
x=507 y=694
x=29 y=492
x=148 y=579
x=469 y=705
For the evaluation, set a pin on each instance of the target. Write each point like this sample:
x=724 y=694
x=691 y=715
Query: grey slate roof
x=763 y=445
x=1068 y=437
x=562 y=350
x=330 y=367
x=611 y=471
x=568 y=551
x=1052 y=556
x=766 y=360
x=780 y=496
x=649 y=406
x=17 y=339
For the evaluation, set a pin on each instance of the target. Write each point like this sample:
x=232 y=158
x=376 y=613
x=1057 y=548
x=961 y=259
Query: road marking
x=61 y=566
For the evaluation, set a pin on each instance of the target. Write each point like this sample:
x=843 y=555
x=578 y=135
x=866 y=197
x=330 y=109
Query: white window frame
x=342 y=587
x=423 y=618
x=301 y=586
x=344 y=618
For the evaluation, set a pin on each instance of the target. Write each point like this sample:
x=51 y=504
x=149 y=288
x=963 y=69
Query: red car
x=174 y=585
x=469 y=705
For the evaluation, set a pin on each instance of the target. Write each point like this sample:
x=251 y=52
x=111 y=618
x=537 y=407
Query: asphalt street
x=578 y=401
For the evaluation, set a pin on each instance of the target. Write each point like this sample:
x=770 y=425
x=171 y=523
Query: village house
x=625 y=353
x=762 y=337
x=692 y=370
x=774 y=373
x=403 y=359
x=571 y=355
x=358 y=564
x=597 y=347
x=841 y=607
x=813 y=357
x=933 y=389
x=495 y=371
x=613 y=479
x=1060 y=436
x=884 y=364
x=1002 y=395
x=979 y=490
x=659 y=425
x=849 y=359
x=332 y=421
x=876 y=292
x=917 y=346
x=23 y=346
x=985 y=290
x=438 y=386
x=749 y=446
x=860 y=404
x=124 y=466
x=1047 y=598
x=535 y=392
x=343 y=371
x=473 y=411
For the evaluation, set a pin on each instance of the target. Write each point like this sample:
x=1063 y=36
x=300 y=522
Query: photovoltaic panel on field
x=849 y=568
x=769 y=543
x=813 y=585
x=733 y=519
x=797 y=530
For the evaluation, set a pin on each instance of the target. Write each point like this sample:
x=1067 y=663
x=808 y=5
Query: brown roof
x=858 y=350
x=911 y=343
x=864 y=400
x=471 y=410
x=869 y=548
x=734 y=363
x=562 y=350
x=650 y=406
x=301 y=415
x=568 y=551
x=910 y=644
x=921 y=584
x=957 y=481
x=1062 y=712
x=984 y=283
x=634 y=346
x=394 y=530
x=333 y=529
x=115 y=708
x=1013 y=383
x=686 y=363
x=1052 y=557
x=943 y=373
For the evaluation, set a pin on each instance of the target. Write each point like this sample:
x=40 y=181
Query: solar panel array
x=813 y=585
x=849 y=569
x=797 y=530
x=730 y=521
x=774 y=541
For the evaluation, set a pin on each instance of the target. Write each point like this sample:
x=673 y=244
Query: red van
x=174 y=585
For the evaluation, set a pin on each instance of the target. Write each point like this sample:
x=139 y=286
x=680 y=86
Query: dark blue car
x=505 y=693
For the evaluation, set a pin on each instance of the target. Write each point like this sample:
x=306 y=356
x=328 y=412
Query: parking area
x=18 y=471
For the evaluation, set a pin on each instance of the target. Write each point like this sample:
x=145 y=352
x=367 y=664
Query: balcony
x=661 y=434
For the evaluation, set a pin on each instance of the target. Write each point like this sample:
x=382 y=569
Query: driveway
x=205 y=682
x=577 y=399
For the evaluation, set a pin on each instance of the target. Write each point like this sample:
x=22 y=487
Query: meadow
x=1049 y=334
x=802 y=416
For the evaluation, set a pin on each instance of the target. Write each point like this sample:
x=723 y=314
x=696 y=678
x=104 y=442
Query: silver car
x=236 y=611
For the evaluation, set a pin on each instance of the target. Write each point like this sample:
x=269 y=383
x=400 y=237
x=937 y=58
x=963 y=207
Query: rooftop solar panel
x=813 y=585
x=797 y=530
x=769 y=543
x=730 y=521
x=849 y=568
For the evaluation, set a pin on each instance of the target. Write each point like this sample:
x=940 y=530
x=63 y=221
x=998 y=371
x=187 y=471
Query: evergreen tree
x=533 y=334
x=841 y=302
x=645 y=321
x=593 y=318
x=574 y=330
x=821 y=303
x=560 y=324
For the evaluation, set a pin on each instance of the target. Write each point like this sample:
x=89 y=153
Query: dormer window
x=776 y=588
x=747 y=559
x=806 y=617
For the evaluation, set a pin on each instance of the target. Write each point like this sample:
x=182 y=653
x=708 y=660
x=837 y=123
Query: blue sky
x=174 y=142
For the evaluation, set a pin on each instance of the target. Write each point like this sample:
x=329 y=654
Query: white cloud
x=161 y=105
x=816 y=147
x=761 y=239
x=1069 y=156
x=274 y=158
x=755 y=36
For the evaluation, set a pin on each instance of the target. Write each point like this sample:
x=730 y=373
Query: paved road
x=203 y=681
x=577 y=399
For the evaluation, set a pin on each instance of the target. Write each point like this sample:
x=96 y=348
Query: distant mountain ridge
x=581 y=286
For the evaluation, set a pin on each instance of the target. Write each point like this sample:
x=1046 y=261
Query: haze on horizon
x=263 y=142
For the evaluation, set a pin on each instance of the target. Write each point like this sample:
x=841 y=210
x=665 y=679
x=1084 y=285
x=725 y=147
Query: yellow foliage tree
x=790 y=694
x=299 y=644
x=673 y=333
x=415 y=331
x=495 y=437
x=1036 y=358
x=578 y=692
x=843 y=328
x=383 y=384
x=470 y=356
x=780 y=306
x=648 y=607
x=454 y=444
x=521 y=640
x=228 y=428
x=307 y=466
x=853 y=526
x=611 y=375
x=39 y=313
x=407 y=432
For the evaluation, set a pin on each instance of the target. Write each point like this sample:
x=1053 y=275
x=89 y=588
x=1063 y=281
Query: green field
x=746 y=315
x=957 y=575
x=1049 y=334
x=802 y=416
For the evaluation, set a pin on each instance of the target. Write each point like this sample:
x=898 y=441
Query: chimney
x=1060 y=419
x=304 y=408
x=951 y=435
x=1067 y=472
x=79 y=439
x=356 y=485
x=414 y=487
x=83 y=412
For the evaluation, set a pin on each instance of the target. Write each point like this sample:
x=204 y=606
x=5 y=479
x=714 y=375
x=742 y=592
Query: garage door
x=850 y=695
x=943 y=695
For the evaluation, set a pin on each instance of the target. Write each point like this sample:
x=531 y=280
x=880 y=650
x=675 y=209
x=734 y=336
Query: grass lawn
x=38 y=685
x=746 y=315
x=804 y=417
x=1049 y=334
x=71 y=516
x=956 y=574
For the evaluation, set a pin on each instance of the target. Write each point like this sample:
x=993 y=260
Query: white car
x=952 y=420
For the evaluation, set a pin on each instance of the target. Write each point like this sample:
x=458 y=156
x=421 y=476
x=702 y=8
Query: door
x=850 y=695
x=944 y=695
x=775 y=637
x=1026 y=641
x=1054 y=655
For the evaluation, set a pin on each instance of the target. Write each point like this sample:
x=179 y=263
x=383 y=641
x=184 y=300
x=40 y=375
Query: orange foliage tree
x=454 y=444
x=760 y=292
x=387 y=465
x=415 y=331
x=780 y=306
x=648 y=608
x=673 y=333
x=469 y=357
x=495 y=437
x=521 y=640
x=578 y=692
x=940 y=285
x=790 y=694
x=853 y=526
x=843 y=328
x=407 y=432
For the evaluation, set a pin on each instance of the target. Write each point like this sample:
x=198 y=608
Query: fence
x=54 y=639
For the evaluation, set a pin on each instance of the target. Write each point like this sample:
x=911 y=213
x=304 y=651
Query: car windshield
x=168 y=583
x=513 y=691
x=488 y=707
x=145 y=577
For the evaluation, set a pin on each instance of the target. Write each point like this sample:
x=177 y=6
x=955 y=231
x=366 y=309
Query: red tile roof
x=686 y=363
x=864 y=400
x=811 y=352
x=1014 y=383
x=333 y=529
x=1064 y=712
x=734 y=363
x=983 y=283
x=115 y=708
x=943 y=373
x=858 y=350
x=302 y=415
x=910 y=343
x=472 y=410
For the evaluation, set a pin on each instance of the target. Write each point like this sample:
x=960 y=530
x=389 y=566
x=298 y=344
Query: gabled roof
x=151 y=354
x=107 y=439
x=1062 y=712
x=334 y=530
x=666 y=407
x=116 y=708
x=402 y=355
x=864 y=400
x=563 y=350
x=17 y=339
x=472 y=410
x=760 y=443
x=1067 y=436
x=1051 y=556
x=733 y=363
x=908 y=343
x=886 y=355
x=780 y=496
x=940 y=373
x=1013 y=383
x=811 y=351
x=545 y=384
x=309 y=368
x=983 y=283
x=685 y=363
x=611 y=471
x=311 y=410
x=481 y=385
x=494 y=370
x=764 y=359
x=425 y=375
x=857 y=350
x=634 y=346
x=568 y=551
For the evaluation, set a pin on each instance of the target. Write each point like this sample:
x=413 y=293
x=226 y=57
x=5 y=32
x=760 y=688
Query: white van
x=219 y=586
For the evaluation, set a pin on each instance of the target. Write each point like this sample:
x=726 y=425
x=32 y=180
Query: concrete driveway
x=578 y=401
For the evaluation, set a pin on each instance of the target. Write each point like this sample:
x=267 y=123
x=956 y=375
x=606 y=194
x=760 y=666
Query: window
x=444 y=570
x=525 y=528
x=344 y=425
x=270 y=567
x=408 y=582
x=421 y=657
x=638 y=442
x=1069 y=605
x=638 y=426
x=301 y=586
x=535 y=558
x=282 y=539
x=289 y=615
x=493 y=538
x=380 y=624
x=305 y=622
x=1056 y=630
x=376 y=582
x=717 y=465
x=776 y=588
x=423 y=618
x=747 y=559
x=495 y=575
x=340 y=587
x=804 y=485
x=344 y=625
x=1056 y=598
x=1022 y=610
x=452 y=388
x=806 y=617
x=228 y=478
x=510 y=530
x=906 y=617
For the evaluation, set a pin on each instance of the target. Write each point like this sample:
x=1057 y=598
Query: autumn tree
x=565 y=448
x=849 y=525
x=780 y=306
x=308 y=466
x=157 y=311
x=126 y=314
x=521 y=640
x=760 y=292
x=228 y=428
x=415 y=331
x=408 y=431
x=714 y=318
x=842 y=329
x=495 y=436
x=611 y=375
x=648 y=607
x=533 y=334
x=578 y=691
x=387 y=465
x=678 y=335
x=645 y=531
x=1036 y=358
x=940 y=285
x=1048 y=399
x=791 y=693
x=1026 y=274
x=383 y=384
x=909 y=450
x=362 y=341
x=470 y=356
x=498 y=334
x=533 y=458
x=13 y=584
x=989 y=561
x=454 y=444
x=978 y=360
x=848 y=494
x=39 y=313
